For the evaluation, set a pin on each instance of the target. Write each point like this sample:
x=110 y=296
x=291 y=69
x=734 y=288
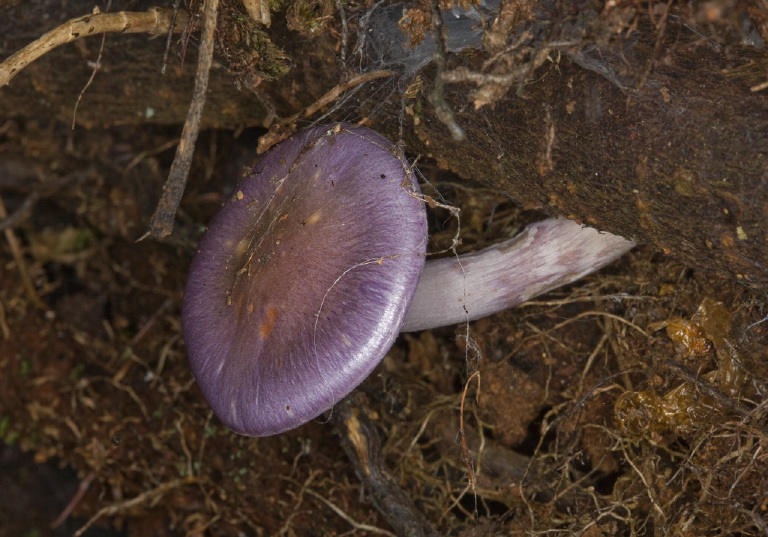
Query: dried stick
x=352 y=522
x=161 y=224
x=47 y=189
x=442 y=109
x=93 y=72
x=155 y=21
x=85 y=484
x=361 y=443
x=258 y=10
x=284 y=128
x=142 y=499
x=465 y=455
x=169 y=36
x=21 y=265
x=11 y=221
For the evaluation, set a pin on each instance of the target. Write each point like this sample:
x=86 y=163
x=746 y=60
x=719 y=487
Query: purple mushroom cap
x=302 y=281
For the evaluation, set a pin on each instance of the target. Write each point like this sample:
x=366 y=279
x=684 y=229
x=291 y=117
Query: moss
x=250 y=53
x=310 y=16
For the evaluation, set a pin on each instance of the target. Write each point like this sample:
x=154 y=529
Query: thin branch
x=96 y=67
x=161 y=224
x=155 y=21
x=344 y=32
x=85 y=484
x=18 y=256
x=464 y=450
x=360 y=440
x=18 y=215
x=169 y=37
x=141 y=499
x=443 y=110
x=352 y=522
x=286 y=127
x=39 y=191
x=258 y=10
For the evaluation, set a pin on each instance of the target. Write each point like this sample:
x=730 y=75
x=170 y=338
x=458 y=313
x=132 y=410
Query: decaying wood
x=130 y=88
x=155 y=21
x=674 y=157
x=680 y=163
x=360 y=440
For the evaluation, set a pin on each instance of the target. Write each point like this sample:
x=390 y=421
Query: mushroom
x=303 y=280
x=545 y=255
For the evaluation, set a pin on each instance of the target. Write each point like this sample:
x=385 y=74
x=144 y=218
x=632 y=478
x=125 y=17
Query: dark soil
x=632 y=403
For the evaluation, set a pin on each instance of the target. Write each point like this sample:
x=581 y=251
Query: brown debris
x=556 y=440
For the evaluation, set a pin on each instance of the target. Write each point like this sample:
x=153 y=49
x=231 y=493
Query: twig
x=175 y=10
x=155 y=21
x=142 y=498
x=96 y=67
x=161 y=224
x=286 y=529
x=442 y=110
x=464 y=451
x=582 y=315
x=14 y=219
x=85 y=484
x=344 y=32
x=258 y=10
x=305 y=489
x=360 y=441
x=39 y=190
x=286 y=127
x=131 y=393
x=149 y=152
x=4 y=323
x=352 y=522
x=21 y=266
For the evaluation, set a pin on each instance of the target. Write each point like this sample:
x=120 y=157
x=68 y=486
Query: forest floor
x=630 y=403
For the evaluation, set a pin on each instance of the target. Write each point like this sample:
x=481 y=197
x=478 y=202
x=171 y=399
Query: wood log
x=674 y=156
x=680 y=163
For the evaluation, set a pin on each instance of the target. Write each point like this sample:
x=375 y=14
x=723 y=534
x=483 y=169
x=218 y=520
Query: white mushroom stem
x=546 y=255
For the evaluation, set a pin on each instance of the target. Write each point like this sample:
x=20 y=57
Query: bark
x=128 y=88
x=681 y=163
x=675 y=157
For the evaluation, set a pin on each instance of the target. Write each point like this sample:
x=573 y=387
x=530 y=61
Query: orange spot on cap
x=269 y=323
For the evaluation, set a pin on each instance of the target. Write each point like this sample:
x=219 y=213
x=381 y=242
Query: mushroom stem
x=544 y=256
